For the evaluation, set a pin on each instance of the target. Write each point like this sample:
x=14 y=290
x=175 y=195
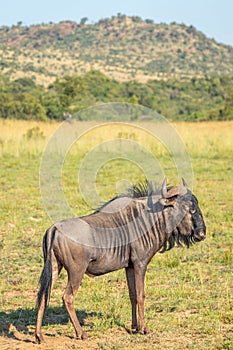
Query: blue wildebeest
x=125 y=232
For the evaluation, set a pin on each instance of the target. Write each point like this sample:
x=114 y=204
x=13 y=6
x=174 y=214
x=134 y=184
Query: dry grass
x=206 y=137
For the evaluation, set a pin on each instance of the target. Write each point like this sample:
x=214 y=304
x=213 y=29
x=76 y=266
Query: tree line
x=197 y=99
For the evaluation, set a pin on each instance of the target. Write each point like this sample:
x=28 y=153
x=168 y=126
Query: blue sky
x=212 y=17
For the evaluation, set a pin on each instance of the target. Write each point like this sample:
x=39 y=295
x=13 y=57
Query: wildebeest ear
x=168 y=202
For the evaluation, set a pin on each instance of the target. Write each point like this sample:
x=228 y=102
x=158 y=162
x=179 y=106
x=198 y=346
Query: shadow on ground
x=24 y=319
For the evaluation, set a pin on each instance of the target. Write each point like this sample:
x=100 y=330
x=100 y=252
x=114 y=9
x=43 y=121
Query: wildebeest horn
x=149 y=199
x=174 y=191
x=164 y=188
x=184 y=183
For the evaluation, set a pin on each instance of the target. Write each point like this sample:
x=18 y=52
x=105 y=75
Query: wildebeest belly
x=107 y=263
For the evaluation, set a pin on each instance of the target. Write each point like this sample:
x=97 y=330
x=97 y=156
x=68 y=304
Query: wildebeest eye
x=193 y=211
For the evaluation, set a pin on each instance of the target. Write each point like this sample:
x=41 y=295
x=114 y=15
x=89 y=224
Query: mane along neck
x=132 y=210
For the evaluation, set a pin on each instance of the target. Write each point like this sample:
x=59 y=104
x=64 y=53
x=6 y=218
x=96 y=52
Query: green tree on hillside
x=69 y=88
x=30 y=107
x=228 y=110
x=83 y=20
x=52 y=105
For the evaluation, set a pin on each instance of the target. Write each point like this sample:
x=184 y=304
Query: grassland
x=189 y=291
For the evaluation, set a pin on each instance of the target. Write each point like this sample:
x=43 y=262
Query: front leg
x=140 y=272
x=132 y=294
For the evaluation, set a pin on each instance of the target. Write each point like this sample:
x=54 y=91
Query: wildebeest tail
x=46 y=275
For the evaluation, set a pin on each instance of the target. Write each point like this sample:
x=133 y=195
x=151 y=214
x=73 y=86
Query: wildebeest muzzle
x=199 y=233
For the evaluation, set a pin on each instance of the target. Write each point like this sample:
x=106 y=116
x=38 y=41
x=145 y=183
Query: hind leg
x=38 y=333
x=56 y=269
x=132 y=295
x=74 y=280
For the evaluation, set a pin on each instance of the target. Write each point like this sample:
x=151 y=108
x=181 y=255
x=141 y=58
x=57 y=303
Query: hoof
x=144 y=331
x=39 y=338
x=134 y=327
x=147 y=330
x=84 y=336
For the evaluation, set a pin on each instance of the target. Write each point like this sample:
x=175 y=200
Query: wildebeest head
x=185 y=218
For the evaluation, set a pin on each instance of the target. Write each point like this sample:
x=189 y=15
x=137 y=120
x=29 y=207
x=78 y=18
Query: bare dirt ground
x=20 y=341
x=118 y=340
x=110 y=340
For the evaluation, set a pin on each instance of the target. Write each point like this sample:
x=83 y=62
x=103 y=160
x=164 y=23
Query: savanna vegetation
x=198 y=99
x=48 y=70
x=51 y=71
x=189 y=291
x=122 y=47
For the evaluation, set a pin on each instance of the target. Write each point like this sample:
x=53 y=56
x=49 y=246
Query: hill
x=124 y=48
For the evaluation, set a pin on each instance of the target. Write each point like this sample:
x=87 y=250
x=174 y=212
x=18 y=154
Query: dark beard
x=178 y=239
